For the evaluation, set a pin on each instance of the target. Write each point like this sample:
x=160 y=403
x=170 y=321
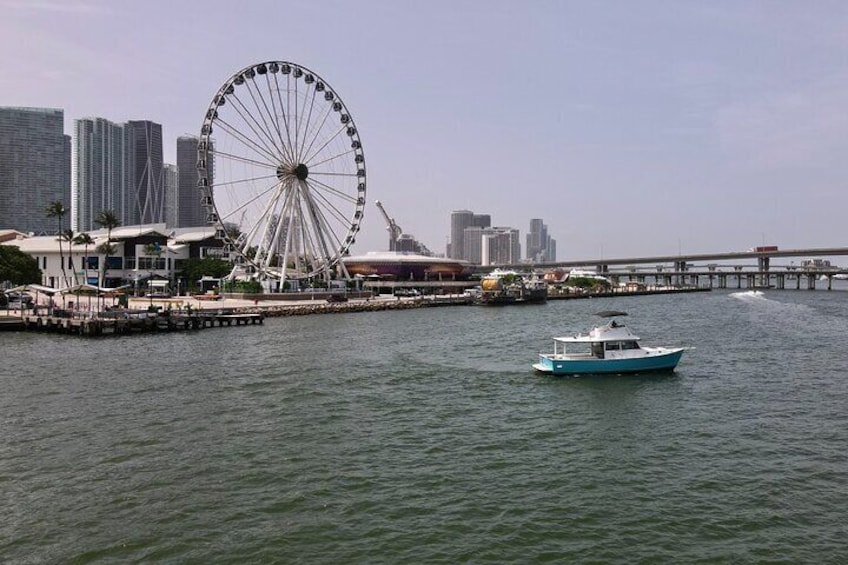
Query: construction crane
x=394 y=229
x=397 y=239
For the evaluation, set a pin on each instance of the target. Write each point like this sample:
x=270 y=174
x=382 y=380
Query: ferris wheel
x=281 y=172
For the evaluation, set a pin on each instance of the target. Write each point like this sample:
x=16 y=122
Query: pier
x=124 y=322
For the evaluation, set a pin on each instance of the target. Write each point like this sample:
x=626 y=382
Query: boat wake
x=749 y=295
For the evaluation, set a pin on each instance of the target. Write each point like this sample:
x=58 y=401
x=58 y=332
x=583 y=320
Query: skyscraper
x=541 y=248
x=501 y=246
x=190 y=213
x=100 y=173
x=172 y=193
x=460 y=220
x=472 y=244
x=35 y=167
x=147 y=182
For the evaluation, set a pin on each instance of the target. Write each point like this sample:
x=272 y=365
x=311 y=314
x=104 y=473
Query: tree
x=194 y=269
x=57 y=210
x=86 y=241
x=109 y=220
x=153 y=250
x=17 y=267
x=68 y=236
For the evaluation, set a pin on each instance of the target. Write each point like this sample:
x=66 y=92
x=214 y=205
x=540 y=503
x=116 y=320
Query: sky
x=631 y=128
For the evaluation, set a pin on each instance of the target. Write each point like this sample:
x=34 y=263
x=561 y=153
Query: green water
x=424 y=436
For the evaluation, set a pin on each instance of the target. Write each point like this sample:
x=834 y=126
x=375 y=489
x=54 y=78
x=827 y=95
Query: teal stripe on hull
x=611 y=366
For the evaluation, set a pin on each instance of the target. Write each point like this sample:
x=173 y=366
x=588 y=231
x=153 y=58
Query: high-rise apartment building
x=147 y=181
x=118 y=167
x=460 y=220
x=172 y=193
x=473 y=244
x=100 y=173
x=541 y=248
x=190 y=212
x=35 y=167
x=501 y=246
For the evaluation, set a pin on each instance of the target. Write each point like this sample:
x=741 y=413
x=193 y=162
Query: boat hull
x=659 y=362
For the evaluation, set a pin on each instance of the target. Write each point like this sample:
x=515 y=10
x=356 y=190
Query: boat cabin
x=610 y=341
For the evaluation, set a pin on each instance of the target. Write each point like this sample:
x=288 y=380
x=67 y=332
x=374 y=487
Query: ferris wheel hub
x=301 y=172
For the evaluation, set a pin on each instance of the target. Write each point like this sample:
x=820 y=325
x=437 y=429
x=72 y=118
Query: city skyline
x=120 y=167
x=632 y=129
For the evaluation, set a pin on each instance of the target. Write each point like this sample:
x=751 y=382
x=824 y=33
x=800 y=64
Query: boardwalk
x=123 y=322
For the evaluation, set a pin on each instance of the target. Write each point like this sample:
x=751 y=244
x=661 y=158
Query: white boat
x=608 y=349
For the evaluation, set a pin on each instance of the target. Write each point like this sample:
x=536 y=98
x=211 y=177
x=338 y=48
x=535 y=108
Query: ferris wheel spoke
x=276 y=112
x=319 y=221
x=265 y=246
x=308 y=117
x=333 y=208
x=269 y=129
x=286 y=216
x=256 y=148
x=328 y=110
x=326 y=174
x=263 y=221
x=247 y=203
x=232 y=157
x=315 y=237
x=296 y=119
x=326 y=143
x=284 y=111
x=243 y=181
x=249 y=120
x=332 y=158
x=318 y=184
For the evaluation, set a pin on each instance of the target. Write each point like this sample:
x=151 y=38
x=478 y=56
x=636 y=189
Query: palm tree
x=154 y=252
x=109 y=220
x=56 y=209
x=68 y=236
x=85 y=240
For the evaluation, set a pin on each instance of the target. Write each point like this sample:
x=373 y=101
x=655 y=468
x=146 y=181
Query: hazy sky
x=630 y=127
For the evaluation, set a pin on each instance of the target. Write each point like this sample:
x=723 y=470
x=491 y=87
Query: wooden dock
x=125 y=322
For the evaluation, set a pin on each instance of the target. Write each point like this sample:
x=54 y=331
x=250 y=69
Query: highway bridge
x=739 y=269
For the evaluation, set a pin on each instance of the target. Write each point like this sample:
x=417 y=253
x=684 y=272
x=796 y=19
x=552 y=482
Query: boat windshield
x=621 y=345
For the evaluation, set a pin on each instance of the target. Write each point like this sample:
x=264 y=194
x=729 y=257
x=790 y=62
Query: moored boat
x=510 y=287
x=607 y=349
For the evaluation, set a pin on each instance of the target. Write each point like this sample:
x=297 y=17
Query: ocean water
x=424 y=436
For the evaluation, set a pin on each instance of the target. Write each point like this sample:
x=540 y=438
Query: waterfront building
x=541 y=248
x=131 y=263
x=399 y=266
x=35 y=168
x=190 y=211
x=100 y=173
